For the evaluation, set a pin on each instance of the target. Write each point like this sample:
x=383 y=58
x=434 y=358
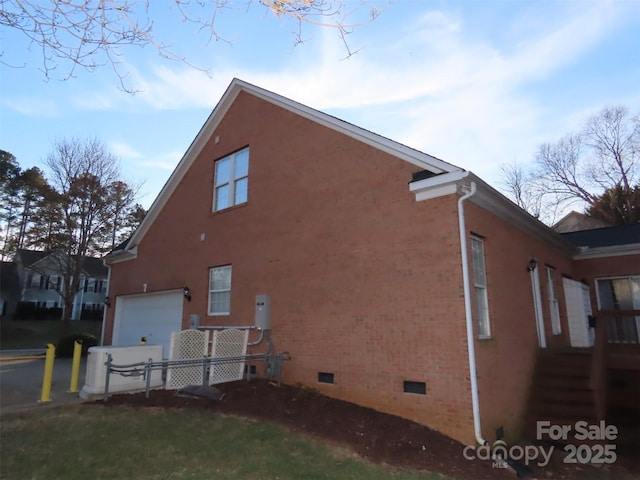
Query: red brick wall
x=365 y=282
x=505 y=362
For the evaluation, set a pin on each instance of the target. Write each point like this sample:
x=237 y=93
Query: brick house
x=398 y=281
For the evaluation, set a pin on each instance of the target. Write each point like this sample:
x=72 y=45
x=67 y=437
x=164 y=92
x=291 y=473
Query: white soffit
x=437 y=186
x=491 y=200
x=610 y=251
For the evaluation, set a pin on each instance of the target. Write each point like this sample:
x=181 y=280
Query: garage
x=151 y=315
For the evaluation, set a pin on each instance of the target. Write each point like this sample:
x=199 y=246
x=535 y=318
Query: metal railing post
x=108 y=374
x=75 y=366
x=48 y=373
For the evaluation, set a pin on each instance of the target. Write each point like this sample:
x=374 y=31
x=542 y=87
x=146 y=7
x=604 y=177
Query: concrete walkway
x=21 y=376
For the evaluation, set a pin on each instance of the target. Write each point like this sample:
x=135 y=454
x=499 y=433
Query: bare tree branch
x=90 y=34
x=614 y=138
x=597 y=167
x=523 y=188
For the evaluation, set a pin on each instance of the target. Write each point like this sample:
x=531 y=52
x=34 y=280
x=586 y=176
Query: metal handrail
x=144 y=369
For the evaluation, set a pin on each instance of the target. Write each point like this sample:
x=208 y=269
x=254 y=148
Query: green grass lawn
x=95 y=442
x=16 y=334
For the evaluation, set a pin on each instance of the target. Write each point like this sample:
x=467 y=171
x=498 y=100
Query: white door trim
x=537 y=307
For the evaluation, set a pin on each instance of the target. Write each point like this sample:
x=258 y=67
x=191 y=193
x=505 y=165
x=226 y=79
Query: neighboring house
x=607 y=262
x=398 y=281
x=574 y=221
x=9 y=289
x=40 y=279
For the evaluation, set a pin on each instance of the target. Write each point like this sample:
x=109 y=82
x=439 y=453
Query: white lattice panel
x=228 y=343
x=185 y=345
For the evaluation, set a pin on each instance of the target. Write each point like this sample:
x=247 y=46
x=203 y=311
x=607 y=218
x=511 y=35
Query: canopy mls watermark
x=579 y=431
x=587 y=452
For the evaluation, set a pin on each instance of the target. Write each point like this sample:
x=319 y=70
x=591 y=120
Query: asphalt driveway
x=21 y=376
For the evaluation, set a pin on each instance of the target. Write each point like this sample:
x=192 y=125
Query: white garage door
x=151 y=315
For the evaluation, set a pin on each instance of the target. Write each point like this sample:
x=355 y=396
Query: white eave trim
x=121 y=256
x=437 y=186
x=587 y=253
x=415 y=157
x=493 y=201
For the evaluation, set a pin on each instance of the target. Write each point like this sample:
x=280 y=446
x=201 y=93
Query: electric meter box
x=194 y=321
x=263 y=312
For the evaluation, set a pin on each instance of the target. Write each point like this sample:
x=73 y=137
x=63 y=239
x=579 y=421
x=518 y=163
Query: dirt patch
x=379 y=437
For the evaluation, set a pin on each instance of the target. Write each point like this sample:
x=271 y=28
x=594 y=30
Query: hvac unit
x=132 y=381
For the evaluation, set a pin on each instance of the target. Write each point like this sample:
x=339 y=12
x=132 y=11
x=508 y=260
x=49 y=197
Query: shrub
x=30 y=311
x=64 y=348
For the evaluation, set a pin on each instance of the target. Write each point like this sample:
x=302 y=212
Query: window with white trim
x=54 y=282
x=554 y=308
x=620 y=293
x=480 y=287
x=231 y=180
x=220 y=290
x=99 y=286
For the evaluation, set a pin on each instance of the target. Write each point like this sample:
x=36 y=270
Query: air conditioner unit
x=133 y=381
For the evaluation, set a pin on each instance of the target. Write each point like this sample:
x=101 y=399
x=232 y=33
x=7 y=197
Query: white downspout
x=106 y=307
x=468 y=315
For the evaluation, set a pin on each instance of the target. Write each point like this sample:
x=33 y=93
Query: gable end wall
x=365 y=282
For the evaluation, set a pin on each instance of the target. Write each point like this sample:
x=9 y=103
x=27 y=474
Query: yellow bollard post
x=75 y=366
x=48 y=374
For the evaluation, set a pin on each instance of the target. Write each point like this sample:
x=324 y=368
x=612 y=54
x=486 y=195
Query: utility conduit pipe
x=468 y=315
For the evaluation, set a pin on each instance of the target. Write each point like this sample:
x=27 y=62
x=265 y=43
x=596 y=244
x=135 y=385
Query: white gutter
x=468 y=316
x=106 y=307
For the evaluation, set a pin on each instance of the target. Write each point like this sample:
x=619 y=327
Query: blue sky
x=475 y=83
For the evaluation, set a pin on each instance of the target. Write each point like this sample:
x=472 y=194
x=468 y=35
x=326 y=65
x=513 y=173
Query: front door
x=578 y=302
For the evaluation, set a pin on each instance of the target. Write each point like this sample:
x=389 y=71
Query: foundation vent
x=419 y=388
x=325 y=377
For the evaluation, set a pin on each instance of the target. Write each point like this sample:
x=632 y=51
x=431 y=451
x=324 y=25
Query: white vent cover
x=186 y=345
x=228 y=343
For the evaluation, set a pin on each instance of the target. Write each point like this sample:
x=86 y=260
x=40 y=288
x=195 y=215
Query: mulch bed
x=376 y=436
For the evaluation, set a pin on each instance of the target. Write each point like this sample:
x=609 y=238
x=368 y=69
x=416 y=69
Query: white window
x=54 y=282
x=554 y=308
x=619 y=293
x=220 y=290
x=231 y=180
x=98 y=286
x=480 y=285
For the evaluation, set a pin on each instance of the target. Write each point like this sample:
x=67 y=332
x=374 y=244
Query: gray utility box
x=263 y=312
x=194 y=321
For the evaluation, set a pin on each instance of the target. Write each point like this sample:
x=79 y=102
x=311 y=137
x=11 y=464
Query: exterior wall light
x=107 y=301
x=187 y=293
x=531 y=266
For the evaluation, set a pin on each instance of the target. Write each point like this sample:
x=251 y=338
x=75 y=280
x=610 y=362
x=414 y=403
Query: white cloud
x=433 y=58
x=33 y=107
x=167 y=161
x=161 y=165
x=122 y=149
x=433 y=84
